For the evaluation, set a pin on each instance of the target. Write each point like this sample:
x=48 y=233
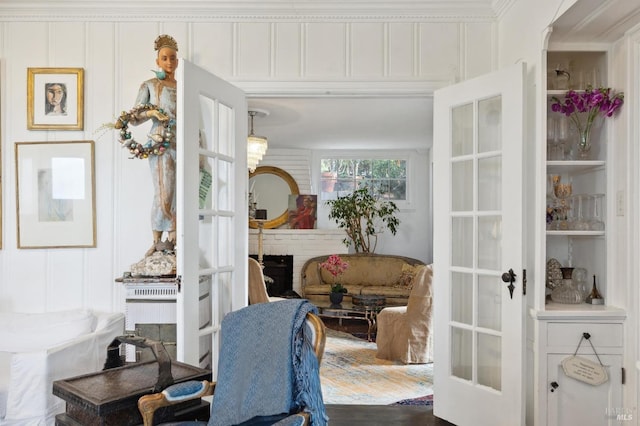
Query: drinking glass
x=579 y=206
x=562 y=191
x=596 y=218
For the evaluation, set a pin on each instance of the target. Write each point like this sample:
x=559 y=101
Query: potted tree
x=363 y=216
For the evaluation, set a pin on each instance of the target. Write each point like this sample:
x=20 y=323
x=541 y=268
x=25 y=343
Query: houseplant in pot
x=335 y=266
x=337 y=293
x=363 y=216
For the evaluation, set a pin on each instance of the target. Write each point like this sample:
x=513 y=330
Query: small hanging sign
x=585 y=370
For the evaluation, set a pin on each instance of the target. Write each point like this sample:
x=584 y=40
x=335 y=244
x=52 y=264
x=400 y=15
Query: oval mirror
x=271 y=187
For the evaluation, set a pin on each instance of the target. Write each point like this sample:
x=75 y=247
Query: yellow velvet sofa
x=368 y=274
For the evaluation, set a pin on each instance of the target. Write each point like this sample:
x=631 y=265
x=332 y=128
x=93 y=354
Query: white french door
x=478 y=238
x=212 y=231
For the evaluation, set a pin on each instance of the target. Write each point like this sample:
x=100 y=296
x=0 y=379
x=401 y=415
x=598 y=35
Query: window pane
x=490 y=183
x=461 y=250
x=461 y=353
x=490 y=302
x=462 y=186
x=489 y=361
x=341 y=176
x=461 y=297
x=462 y=131
x=489 y=242
x=489 y=128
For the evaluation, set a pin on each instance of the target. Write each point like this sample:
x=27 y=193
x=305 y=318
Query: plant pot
x=336 y=298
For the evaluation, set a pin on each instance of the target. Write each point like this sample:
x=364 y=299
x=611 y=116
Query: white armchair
x=37 y=349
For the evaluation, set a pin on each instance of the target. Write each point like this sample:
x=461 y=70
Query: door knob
x=509 y=277
x=554 y=386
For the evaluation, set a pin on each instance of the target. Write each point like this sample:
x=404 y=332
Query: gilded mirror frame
x=293 y=186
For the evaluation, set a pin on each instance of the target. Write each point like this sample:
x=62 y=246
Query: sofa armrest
x=32 y=373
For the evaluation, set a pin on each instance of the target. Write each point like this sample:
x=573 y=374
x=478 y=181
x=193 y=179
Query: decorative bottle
x=594 y=297
x=568 y=292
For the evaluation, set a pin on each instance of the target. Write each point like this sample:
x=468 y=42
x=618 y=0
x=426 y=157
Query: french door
x=478 y=250
x=212 y=230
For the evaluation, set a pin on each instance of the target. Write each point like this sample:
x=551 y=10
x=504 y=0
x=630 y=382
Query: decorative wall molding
x=253 y=11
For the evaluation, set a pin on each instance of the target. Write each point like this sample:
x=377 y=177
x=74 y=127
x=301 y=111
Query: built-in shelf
x=553 y=310
x=577 y=233
x=558 y=167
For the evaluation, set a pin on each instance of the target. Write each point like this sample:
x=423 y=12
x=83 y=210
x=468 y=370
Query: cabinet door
x=574 y=402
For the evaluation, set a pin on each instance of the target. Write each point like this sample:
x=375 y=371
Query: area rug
x=350 y=373
x=423 y=400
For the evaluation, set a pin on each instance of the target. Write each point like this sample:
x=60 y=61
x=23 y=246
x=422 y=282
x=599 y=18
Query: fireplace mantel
x=303 y=244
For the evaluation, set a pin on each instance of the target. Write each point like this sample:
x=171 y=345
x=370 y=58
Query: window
x=387 y=177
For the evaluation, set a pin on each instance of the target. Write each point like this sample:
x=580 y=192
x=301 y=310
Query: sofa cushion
x=20 y=332
x=385 y=290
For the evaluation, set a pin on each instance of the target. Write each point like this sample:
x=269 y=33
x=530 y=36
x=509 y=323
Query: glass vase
x=583 y=147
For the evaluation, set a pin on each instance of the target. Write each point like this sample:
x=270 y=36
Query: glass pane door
x=479 y=323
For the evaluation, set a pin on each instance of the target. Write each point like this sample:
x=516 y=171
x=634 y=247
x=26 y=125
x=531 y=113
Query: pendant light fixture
x=256 y=145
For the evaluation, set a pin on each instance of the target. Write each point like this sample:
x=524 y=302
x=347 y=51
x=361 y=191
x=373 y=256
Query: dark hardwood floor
x=383 y=415
x=377 y=415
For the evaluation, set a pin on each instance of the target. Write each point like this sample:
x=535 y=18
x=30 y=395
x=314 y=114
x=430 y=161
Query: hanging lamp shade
x=256 y=146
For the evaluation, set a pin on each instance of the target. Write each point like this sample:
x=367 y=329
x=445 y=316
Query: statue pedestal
x=150 y=311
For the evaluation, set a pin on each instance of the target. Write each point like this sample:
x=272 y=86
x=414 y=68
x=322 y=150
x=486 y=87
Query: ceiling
x=345 y=122
x=602 y=20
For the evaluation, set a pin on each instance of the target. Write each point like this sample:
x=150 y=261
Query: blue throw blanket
x=267 y=365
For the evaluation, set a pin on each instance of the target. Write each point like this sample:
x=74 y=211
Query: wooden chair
x=257 y=287
x=181 y=392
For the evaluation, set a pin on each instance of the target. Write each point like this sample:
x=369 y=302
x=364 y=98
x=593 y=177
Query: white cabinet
x=577 y=234
x=574 y=402
x=569 y=401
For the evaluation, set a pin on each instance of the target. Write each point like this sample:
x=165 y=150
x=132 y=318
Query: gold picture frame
x=55 y=194
x=55 y=98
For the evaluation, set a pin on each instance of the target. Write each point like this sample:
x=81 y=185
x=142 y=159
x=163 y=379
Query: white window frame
x=406 y=155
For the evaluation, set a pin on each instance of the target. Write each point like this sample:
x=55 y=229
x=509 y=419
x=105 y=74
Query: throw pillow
x=407 y=275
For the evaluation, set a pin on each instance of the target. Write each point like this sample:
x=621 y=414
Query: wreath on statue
x=158 y=143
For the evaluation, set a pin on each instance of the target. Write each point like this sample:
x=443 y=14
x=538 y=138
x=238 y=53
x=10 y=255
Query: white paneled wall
x=293 y=161
x=284 y=50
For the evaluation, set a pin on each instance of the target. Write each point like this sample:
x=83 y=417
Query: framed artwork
x=303 y=211
x=55 y=194
x=55 y=98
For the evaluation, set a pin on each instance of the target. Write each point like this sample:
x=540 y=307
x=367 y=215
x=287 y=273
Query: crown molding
x=274 y=89
x=241 y=10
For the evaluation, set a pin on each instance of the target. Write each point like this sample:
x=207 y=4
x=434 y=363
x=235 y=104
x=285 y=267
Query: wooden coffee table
x=110 y=397
x=347 y=310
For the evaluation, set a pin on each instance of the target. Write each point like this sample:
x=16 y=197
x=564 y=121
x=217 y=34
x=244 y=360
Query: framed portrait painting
x=55 y=194
x=55 y=98
x=303 y=211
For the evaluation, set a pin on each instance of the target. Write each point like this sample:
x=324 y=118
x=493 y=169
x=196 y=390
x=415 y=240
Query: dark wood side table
x=110 y=397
